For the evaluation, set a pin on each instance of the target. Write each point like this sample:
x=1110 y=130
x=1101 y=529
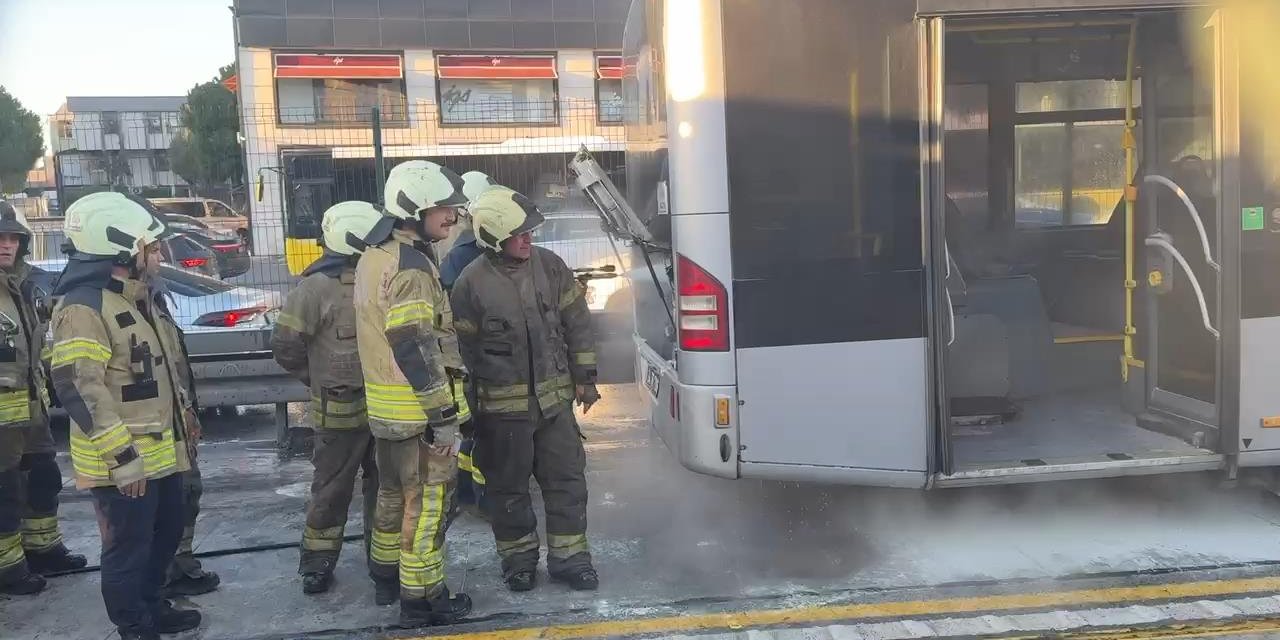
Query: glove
x=129 y=472
x=442 y=439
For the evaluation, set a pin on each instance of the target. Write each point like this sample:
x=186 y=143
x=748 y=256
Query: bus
x=937 y=243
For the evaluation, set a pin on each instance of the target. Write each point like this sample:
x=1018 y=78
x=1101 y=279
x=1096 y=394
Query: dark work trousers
x=139 y=537
x=184 y=562
x=339 y=455
x=512 y=447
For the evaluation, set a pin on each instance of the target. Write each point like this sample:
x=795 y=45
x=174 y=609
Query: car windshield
x=562 y=229
x=179 y=220
x=184 y=208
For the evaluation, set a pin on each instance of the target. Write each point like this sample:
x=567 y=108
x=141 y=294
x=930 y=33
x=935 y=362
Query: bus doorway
x=1081 y=316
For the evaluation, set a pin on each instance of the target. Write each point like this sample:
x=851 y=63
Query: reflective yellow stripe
x=329 y=539
x=11 y=551
x=565 y=547
x=290 y=321
x=568 y=297
x=384 y=547
x=515 y=398
x=462 y=326
x=89 y=455
x=460 y=399
x=465 y=463
x=409 y=313
x=422 y=568
x=40 y=534
x=73 y=349
x=336 y=414
x=15 y=406
x=400 y=403
x=523 y=544
x=585 y=357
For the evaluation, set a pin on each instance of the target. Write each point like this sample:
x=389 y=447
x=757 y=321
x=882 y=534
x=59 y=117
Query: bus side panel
x=823 y=139
x=1259 y=242
x=856 y=404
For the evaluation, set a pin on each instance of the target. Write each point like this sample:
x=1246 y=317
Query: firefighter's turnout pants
x=547 y=446
x=29 y=485
x=415 y=490
x=339 y=455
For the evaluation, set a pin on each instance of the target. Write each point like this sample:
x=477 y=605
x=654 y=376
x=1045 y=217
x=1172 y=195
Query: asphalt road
x=684 y=555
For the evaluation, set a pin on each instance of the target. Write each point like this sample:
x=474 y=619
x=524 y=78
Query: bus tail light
x=703 y=306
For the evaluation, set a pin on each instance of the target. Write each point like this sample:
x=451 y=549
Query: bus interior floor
x=1061 y=428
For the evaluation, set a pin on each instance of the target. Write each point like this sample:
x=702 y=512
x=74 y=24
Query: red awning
x=609 y=67
x=497 y=67
x=232 y=83
x=326 y=65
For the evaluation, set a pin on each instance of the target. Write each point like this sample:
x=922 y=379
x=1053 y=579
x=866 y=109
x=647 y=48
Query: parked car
x=572 y=231
x=229 y=248
x=200 y=302
x=184 y=253
x=214 y=213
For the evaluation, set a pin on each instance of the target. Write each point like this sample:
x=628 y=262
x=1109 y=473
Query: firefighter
x=413 y=389
x=30 y=541
x=315 y=340
x=526 y=336
x=470 y=493
x=118 y=368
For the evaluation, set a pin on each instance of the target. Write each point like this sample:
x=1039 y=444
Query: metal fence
x=292 y=164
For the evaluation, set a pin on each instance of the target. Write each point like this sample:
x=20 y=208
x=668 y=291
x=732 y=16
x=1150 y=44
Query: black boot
x=29 y=584
x=170 y=620
x=441 y=610
x=583 y=579
x=385 y=592
x=313 y=583
x=55 y=560
x=185 y=585
x=522 y=581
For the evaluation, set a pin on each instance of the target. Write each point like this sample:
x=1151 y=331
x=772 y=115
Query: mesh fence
x=247 y=215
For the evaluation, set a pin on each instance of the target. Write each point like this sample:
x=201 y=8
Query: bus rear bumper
x=685 y=417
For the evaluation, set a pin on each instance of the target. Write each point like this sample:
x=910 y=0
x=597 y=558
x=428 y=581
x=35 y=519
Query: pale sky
x=51 y=49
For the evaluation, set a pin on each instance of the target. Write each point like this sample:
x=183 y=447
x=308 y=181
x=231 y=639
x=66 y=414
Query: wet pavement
x=672 y=544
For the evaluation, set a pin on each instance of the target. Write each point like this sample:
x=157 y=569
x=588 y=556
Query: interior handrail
x=1191 y=209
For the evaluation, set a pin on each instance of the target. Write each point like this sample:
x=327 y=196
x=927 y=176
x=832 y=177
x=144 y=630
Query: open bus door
x=1161 y=266
x=309 y=192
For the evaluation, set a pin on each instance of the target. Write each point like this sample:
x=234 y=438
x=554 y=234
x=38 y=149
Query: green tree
x=206 y=152
x=21 y=142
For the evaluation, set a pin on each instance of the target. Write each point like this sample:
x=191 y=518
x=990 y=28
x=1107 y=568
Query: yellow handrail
x=1130 y=200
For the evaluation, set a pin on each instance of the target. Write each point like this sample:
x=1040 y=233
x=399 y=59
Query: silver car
x=199 y=303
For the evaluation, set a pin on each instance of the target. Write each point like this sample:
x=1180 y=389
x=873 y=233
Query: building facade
x=510 y=87
x=101 y=142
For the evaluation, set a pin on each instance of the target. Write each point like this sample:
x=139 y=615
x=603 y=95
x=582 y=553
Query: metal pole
x=379 y=167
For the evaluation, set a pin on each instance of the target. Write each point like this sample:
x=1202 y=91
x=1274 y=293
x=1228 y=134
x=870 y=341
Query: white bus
x=927 y=243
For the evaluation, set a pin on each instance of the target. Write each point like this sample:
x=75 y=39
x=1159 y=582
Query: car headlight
x=598 y=292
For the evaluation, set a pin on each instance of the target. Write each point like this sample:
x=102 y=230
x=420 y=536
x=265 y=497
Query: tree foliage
x=21 y=142
x=207 y=152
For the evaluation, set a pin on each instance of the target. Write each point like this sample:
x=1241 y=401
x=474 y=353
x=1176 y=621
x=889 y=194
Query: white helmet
x=345 y=227
x=498 y=214
x=109 y=224
x=475 y=183
x=417 y=185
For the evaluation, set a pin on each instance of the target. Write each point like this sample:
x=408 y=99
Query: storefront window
x=482 y=89
x=336 y=89
x=609 y=89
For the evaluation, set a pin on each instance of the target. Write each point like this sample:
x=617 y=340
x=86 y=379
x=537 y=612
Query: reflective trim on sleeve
x=462 y=326
x=585 y=358
x=290 y=321
x=70 y=350
x=410 y=312
x=569 y=297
